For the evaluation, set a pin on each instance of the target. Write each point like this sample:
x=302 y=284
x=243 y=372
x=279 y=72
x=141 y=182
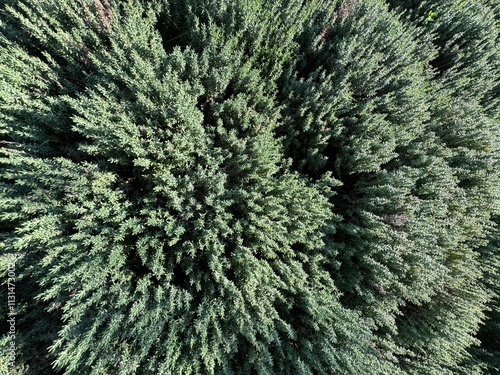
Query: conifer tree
x=144 y=193
x=416 y=165
x=251 y=187
x=466 y=36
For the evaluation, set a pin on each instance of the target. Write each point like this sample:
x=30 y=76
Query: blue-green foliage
x=402 y=115
x=251 y=187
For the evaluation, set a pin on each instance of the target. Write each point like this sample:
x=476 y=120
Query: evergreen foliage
x=416 y=158
x=251 y=187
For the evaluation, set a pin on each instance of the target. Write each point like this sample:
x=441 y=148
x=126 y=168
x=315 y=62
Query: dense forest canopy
x=250 y=187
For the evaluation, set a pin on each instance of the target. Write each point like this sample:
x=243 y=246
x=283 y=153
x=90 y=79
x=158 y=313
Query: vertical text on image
x=11 y=314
